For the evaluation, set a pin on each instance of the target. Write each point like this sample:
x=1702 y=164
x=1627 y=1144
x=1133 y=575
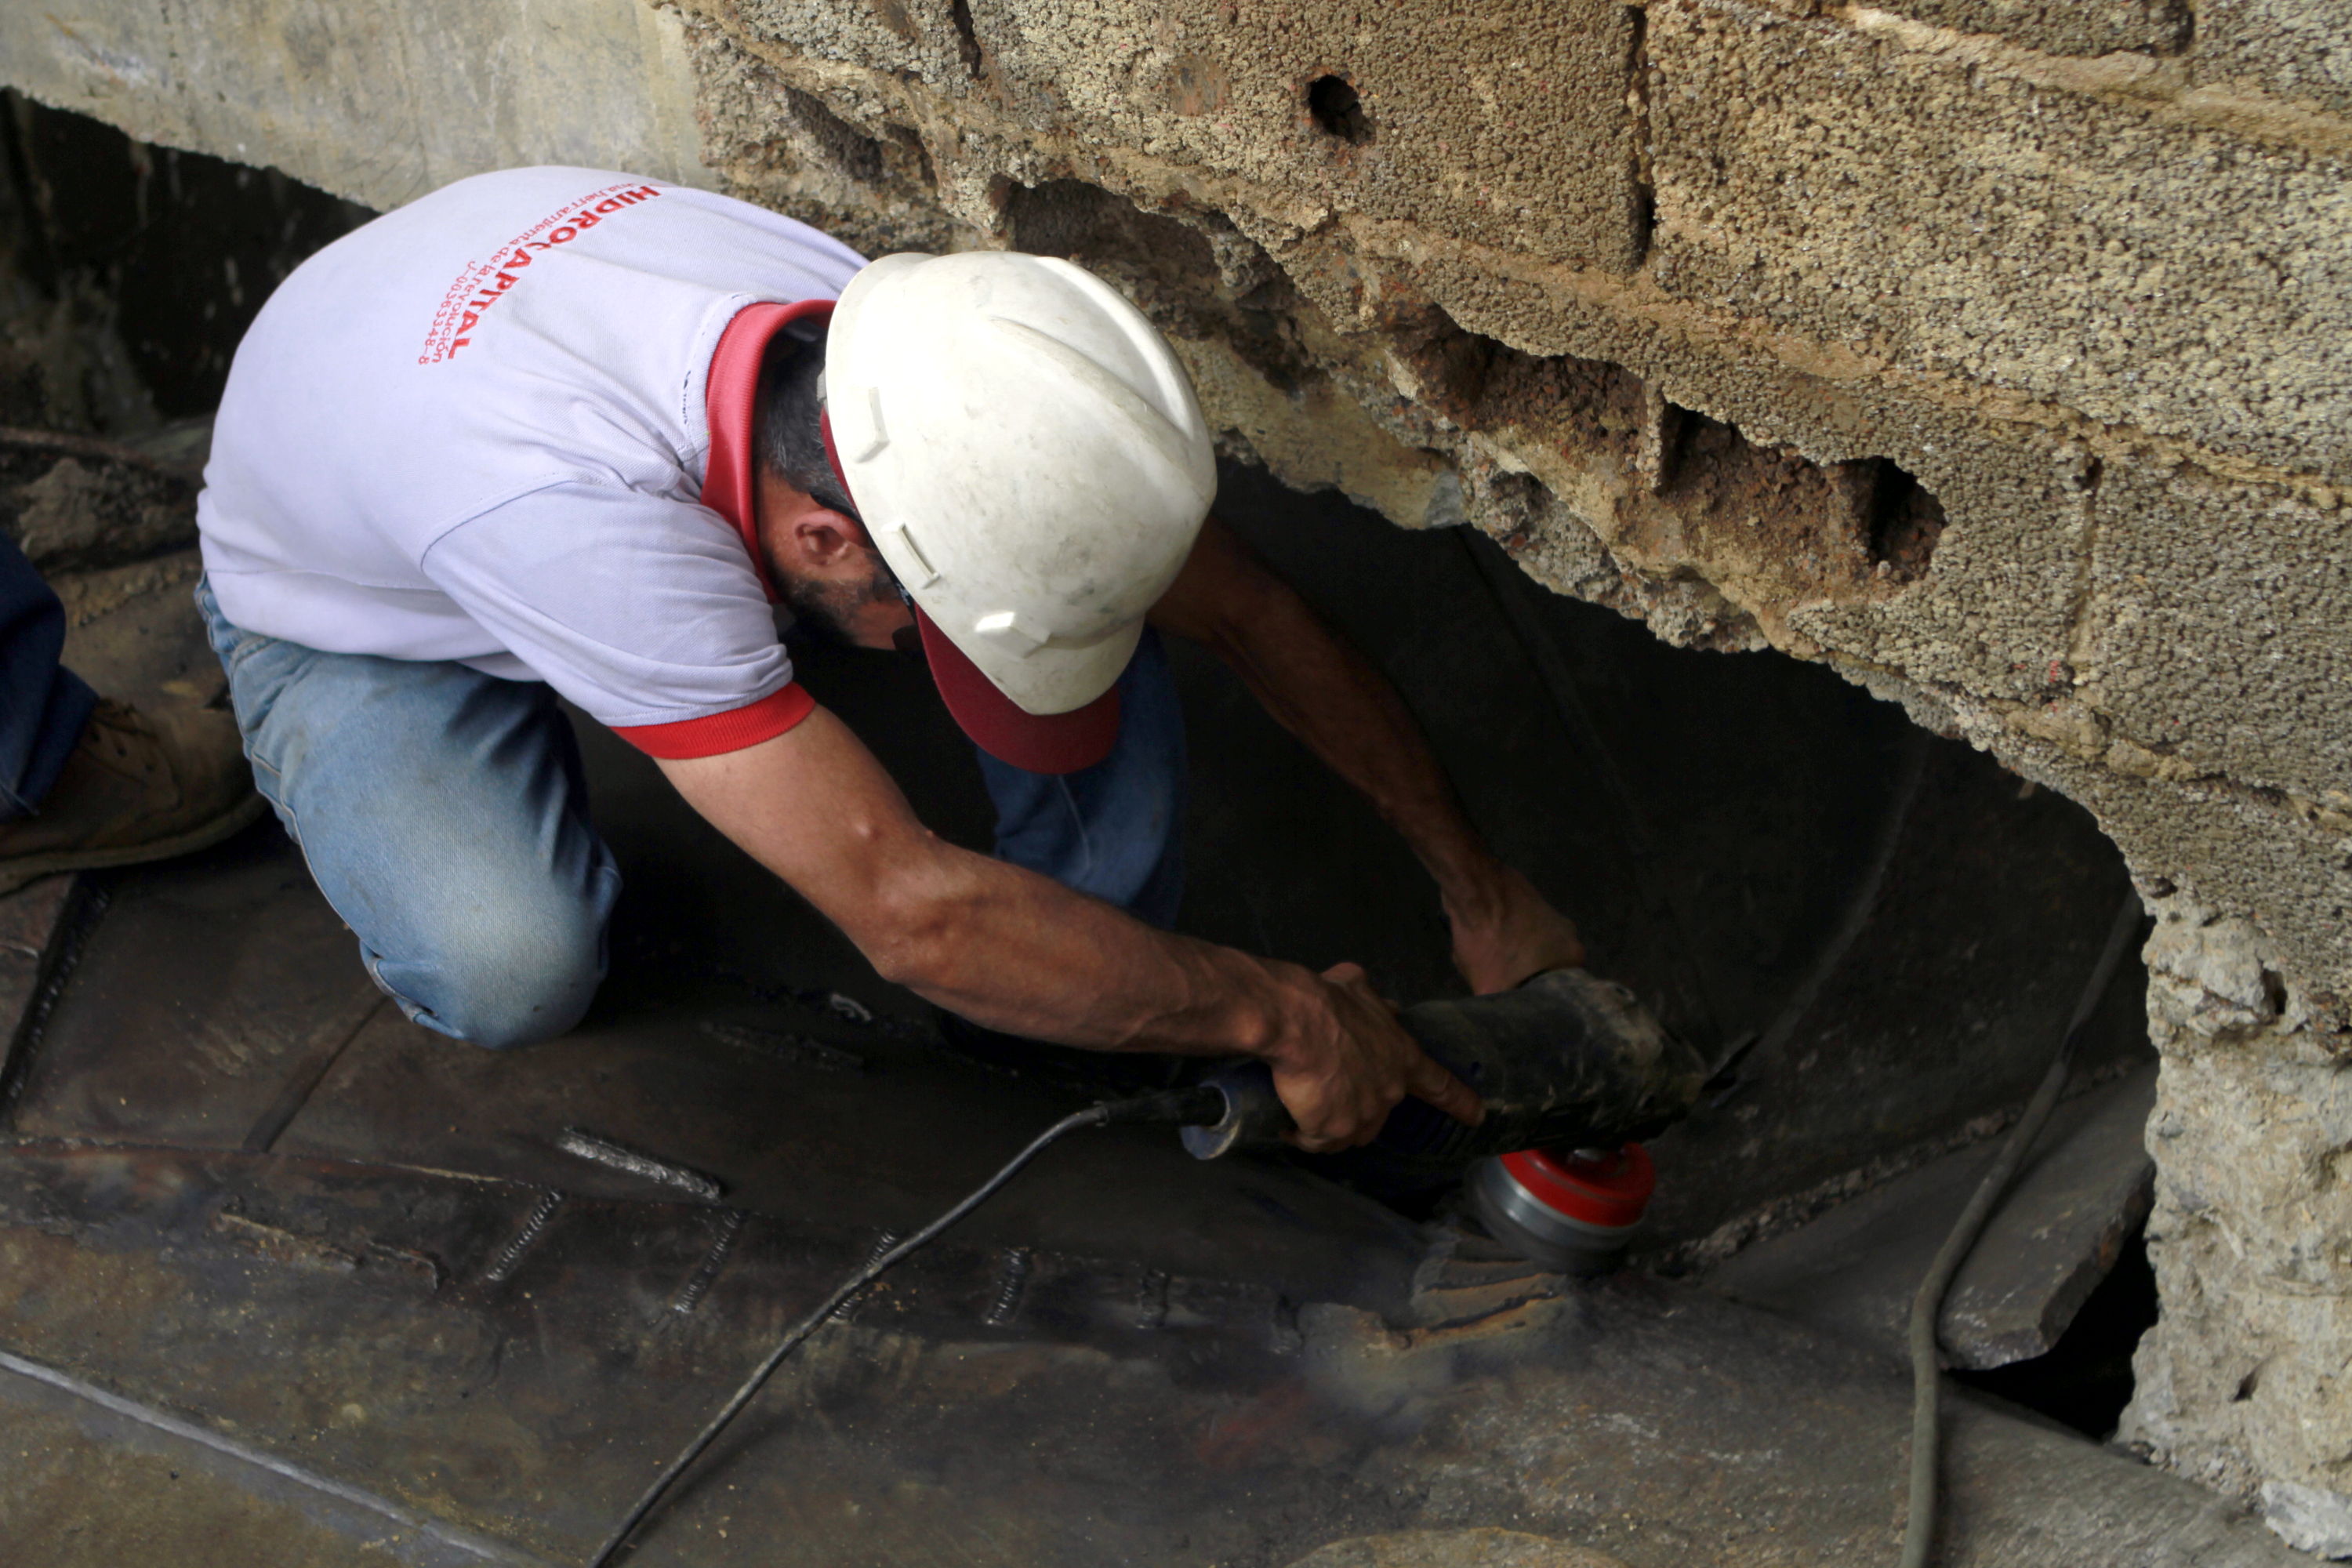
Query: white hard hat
x=1026 y=453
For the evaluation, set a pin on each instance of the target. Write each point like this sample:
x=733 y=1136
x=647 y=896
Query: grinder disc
x=1571 y=1211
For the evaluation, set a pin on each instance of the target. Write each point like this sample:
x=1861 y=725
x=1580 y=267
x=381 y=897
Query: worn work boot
x=137 y=787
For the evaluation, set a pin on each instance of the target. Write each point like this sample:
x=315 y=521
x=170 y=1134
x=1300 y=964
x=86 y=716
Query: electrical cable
x=1172 y=1107
x=1928 y=1306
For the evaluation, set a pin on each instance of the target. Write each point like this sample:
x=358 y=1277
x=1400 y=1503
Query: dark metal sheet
x=1650 y=1421
x=2082 y=1191
x=94 y=1480
x=360 y=1319
x=34 y=922
x=883 y=1149
x=207 y=999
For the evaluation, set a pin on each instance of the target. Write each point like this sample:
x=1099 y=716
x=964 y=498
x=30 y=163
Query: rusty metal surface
x=2081 y=1193
x=343 y=1317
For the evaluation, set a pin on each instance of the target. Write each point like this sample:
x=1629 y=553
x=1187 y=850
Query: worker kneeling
x=553 y=432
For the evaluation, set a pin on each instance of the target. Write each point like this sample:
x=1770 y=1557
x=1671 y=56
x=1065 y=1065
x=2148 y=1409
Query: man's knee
x=513 y=982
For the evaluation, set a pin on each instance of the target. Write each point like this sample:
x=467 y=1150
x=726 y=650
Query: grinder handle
x=1253 y=1113
x=1195 y=1107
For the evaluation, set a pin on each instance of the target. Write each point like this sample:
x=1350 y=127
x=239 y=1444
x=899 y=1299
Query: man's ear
x=797 y=529
x=822 y=538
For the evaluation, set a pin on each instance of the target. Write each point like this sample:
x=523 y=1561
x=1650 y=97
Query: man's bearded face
x=843 y=609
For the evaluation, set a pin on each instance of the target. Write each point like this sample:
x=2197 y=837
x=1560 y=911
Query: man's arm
x=1015 y=950
x=1329 y=696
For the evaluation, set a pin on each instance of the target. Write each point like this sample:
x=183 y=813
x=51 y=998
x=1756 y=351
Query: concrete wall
x=1992 y=351
x=375 y=102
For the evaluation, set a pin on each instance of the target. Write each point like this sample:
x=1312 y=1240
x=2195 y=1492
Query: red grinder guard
x=1570 y=1210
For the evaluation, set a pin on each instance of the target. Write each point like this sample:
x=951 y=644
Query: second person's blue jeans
x=445 y=816
x=43 y=705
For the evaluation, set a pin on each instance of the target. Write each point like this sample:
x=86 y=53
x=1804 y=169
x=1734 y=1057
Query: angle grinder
x=1573 y=1070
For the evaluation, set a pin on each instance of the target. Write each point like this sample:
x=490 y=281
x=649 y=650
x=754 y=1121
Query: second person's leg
x=1117 y=829
x=43 y=706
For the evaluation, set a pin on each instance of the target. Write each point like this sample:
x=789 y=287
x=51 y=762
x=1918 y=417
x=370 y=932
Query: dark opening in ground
x=2085 y=1380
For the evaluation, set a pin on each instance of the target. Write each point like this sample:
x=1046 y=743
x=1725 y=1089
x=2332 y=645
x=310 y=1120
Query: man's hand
x=1510 y=934
x=1344 y=1061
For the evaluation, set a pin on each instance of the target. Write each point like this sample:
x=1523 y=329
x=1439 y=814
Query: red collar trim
x=729 y=395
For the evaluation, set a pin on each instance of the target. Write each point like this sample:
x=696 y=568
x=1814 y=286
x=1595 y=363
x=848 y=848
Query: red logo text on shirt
x=483 y=284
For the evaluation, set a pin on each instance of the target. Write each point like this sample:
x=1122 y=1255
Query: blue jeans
x=1117 y=829
x=43 y=705
x=445 y=814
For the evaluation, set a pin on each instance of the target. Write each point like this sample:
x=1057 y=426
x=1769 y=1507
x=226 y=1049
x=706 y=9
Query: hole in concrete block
x=1161 y=263
x=834 y=140
x=1902 y=520
x=1332 y=103
x=1482 y=382
x=1086 y=223
x=2275 y=991
x=1827 y=530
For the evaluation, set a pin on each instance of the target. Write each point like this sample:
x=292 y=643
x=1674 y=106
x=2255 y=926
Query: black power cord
x=1170 y=1107
x=1928 y=1306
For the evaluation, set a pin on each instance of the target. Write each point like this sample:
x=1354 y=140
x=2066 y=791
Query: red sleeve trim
x=722 y=733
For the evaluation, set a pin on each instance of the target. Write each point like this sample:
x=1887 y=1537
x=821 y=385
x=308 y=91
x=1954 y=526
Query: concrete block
x=1932 y=207
x=2065 y=27
x=2238 y=1385
x=376 y=104
x=1506 y=124
x=776 y=145
x=922 y=39
x=1994 y=611
x=2214 y=632
x=2297 y=49
x=2309 y=1519
x=2227 y=847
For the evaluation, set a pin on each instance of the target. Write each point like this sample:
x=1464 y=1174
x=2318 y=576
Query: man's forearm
x=1329 y=695
x=1016 y=952
x=1331 y=698
x=1001 y=945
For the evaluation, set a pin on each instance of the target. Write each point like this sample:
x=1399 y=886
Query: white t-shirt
x=475 y=430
